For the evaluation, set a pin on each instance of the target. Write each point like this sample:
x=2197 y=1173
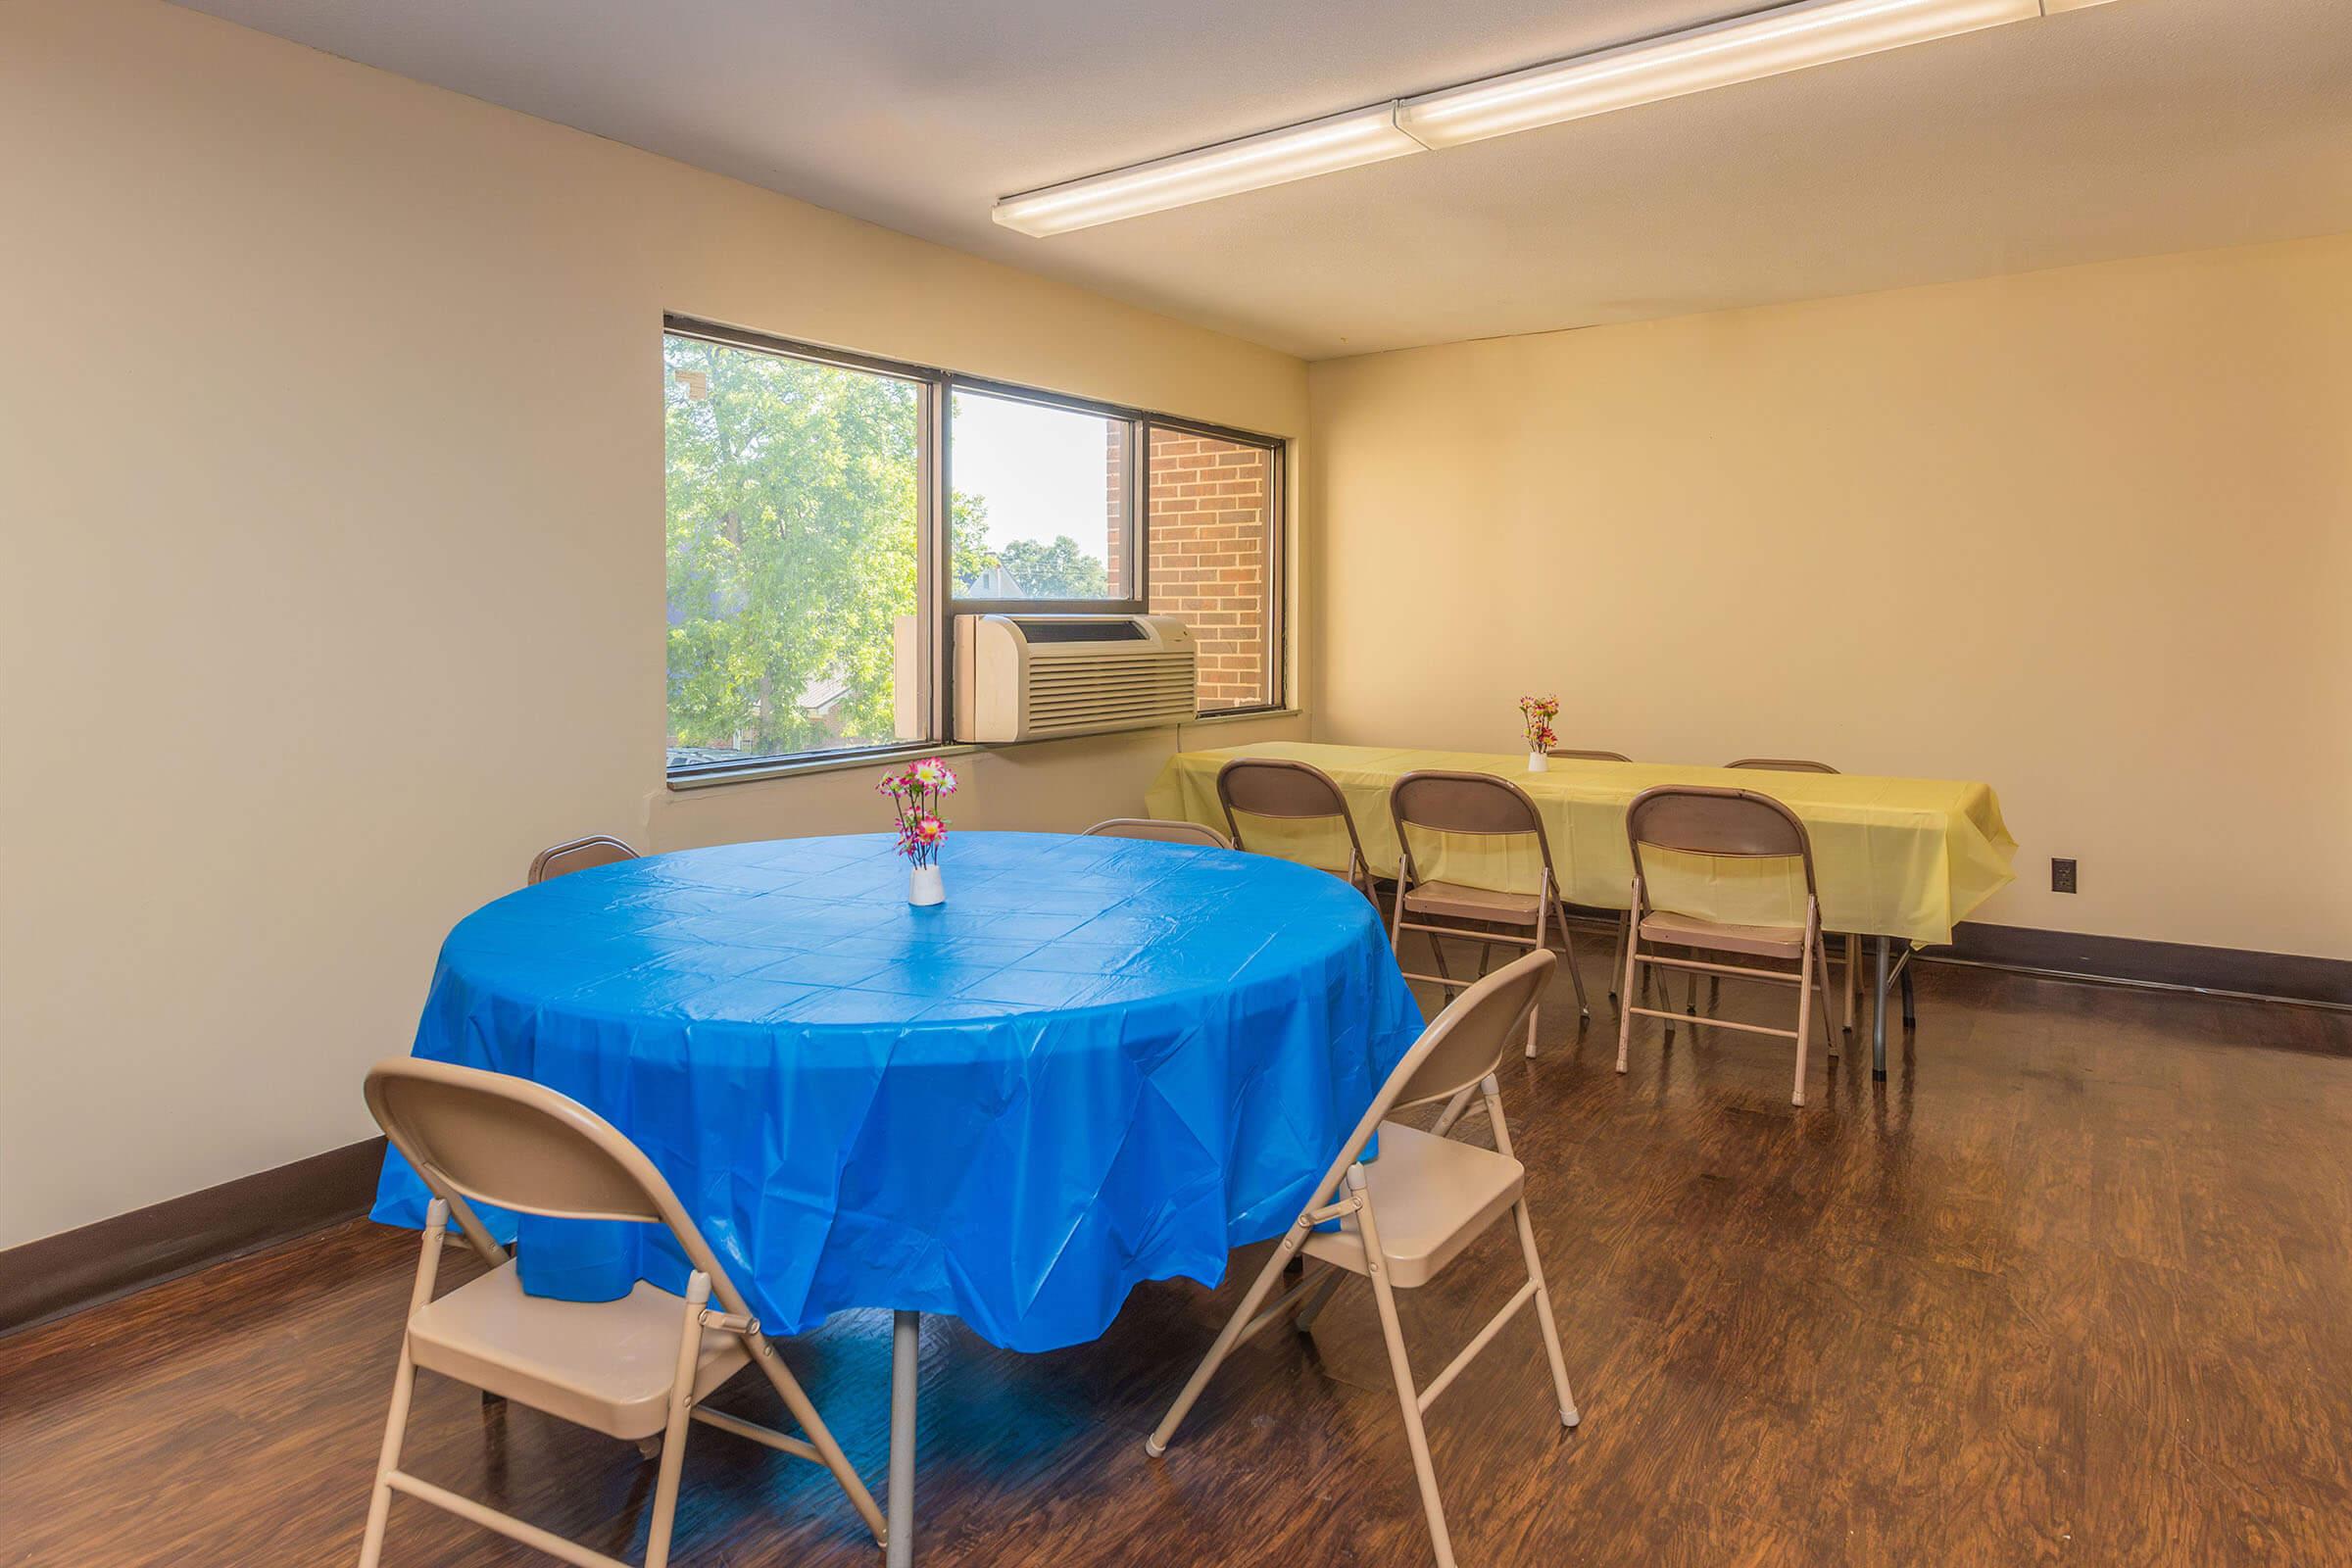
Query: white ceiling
x=2131 y=128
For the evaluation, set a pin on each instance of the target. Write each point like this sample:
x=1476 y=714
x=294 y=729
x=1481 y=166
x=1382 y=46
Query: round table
x=1101 y=1061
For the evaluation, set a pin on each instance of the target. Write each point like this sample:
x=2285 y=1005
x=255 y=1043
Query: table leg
x=1878 y=1013
x=905 y=1333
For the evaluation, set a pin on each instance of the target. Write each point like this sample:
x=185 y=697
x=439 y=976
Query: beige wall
x=2086 y=534
x=330 y=478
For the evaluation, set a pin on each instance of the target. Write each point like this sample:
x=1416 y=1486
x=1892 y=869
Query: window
x=1039 y=492
x=795 y=504
x=1211 y=527
x=827 y=513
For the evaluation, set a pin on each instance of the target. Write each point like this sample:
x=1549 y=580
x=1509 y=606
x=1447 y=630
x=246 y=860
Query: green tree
x=792 y=501
x=1057 y=571
x=973 y=555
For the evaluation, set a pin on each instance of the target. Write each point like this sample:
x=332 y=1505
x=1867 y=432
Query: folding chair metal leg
x=1853 y=977
x=1437 y=950
x=1543 y=911
x=1910 y=1010
x=1408 y=1400
x=1543 y=1318
x=1617 y=959
x=1405 y=872
x=1632 y=965
x=820 y=1437
x=404 y=1386
x=673 y=1437
x=1535 y=1272
x=1821 y=978
x=379 y=1503
x=1804 y=1010
x=1227 y=1338
x=1576 y=976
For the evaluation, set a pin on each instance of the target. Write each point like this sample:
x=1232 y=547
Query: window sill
x=796 y=766
x=799 y=767
x=1243 y=716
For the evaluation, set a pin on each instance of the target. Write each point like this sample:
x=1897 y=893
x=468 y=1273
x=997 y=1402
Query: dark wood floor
x=2072 y=1287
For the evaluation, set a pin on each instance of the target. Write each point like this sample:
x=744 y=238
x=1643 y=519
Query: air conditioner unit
x=1036 y=678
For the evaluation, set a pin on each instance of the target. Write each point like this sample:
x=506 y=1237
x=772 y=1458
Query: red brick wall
x=1209 y=504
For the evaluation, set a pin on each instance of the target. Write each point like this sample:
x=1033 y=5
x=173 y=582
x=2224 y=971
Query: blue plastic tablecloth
x=1101 y=1061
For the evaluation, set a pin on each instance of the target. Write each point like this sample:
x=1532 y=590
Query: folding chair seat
x=637 y=1368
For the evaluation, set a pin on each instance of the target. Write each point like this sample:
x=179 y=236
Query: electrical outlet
x=2062 y=876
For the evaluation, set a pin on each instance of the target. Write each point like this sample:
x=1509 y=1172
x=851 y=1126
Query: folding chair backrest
x=1266 y=786
x=1469 y=806
x=1272 y=787
x=512 y=1143
x=1701 y=819
x=581 y=855
x=1467 y=1041
x=496 y=1139
x=1460 y=1047
x=1462 y=802
x=1573 y=754
x=1782 y=765
x=1157 y=830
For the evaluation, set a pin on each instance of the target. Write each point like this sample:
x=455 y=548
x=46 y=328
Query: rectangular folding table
x=1897 y=859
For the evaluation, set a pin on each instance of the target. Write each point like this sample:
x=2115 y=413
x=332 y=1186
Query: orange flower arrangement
x=1538 y=712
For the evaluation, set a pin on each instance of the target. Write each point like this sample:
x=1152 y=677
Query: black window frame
x=936 y=602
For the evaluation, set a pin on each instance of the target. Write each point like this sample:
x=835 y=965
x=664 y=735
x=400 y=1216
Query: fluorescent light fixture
x=1275 y=157
x=1765 y=43
x=1813 y=33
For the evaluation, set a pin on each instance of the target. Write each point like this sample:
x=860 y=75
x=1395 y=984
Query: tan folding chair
x=1853 y=939
x=1157 y=830
x=1574 y=755
x=1293 y=792
x=1693 y=819
x=637 y=1368
x=581 y=855
x=1473 y=806
x=1403 y=1216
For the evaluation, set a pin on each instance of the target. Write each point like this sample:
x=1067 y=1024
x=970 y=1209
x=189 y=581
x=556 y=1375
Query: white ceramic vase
x=1539 y=762
x=924 y=887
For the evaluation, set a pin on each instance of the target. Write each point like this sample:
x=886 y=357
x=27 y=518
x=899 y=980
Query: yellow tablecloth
x=1894 y=856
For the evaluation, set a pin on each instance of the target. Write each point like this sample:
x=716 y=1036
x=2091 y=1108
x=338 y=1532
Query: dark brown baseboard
x=78 y=1268
x=2285 y=976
